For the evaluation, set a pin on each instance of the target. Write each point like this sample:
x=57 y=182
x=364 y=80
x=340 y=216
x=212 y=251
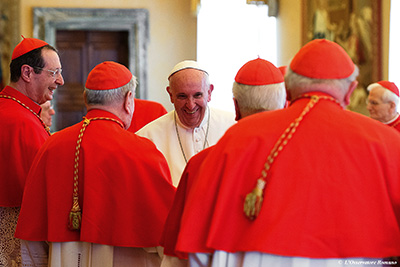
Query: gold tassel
x=253 y=201
x=75 y=216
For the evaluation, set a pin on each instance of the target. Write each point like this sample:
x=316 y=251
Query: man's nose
x=60 y=80
x=190 y=103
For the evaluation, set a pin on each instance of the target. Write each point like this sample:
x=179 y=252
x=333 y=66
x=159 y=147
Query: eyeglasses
x=54 y=73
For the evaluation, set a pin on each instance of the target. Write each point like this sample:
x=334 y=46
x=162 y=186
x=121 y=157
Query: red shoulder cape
x=125 y=189
x=333 y=192
x=173 y=223
x=395 y=124
x=21 y=137
x=145 y=112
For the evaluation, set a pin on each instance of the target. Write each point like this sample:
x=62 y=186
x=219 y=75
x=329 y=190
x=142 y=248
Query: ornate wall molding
x=46 y=22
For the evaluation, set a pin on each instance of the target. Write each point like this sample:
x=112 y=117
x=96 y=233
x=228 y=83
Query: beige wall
x=289 y=30
x=172 y=34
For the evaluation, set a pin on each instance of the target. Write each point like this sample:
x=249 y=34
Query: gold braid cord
x=253 y=201
x=28 y=108
x=397 y=123
x=75 y=215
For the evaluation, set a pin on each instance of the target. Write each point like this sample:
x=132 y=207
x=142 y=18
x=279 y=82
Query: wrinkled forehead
x=376 y=91
x=189 y=78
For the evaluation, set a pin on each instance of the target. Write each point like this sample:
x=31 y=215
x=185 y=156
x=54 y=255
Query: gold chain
x=28 y=108
x=75 y=216
x=395 y=124
x=253 y=201
x=179 y=139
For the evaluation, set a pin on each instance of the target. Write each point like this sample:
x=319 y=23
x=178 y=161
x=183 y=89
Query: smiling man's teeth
x=191 y=112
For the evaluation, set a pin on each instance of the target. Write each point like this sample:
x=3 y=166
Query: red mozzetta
x=124 y=200
x=348 y=208
x=25 y=134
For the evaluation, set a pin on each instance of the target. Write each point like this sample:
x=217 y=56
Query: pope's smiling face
x=190 y=91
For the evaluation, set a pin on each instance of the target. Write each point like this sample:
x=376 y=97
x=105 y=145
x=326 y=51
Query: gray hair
x=255 y=98
x=297 y=84
x=107 y=97
x=387 y=96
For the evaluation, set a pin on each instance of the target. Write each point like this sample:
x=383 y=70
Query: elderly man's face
x=190 y=92
x=378 y=109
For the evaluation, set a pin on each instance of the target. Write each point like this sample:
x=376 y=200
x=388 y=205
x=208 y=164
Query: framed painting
x=356 y=26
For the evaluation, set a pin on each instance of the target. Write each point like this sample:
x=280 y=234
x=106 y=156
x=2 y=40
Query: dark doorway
x=80 y=52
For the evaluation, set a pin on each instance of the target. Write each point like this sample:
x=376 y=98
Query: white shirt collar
x=392 y=120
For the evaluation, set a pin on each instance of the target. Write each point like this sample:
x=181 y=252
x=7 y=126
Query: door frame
x=46 y=22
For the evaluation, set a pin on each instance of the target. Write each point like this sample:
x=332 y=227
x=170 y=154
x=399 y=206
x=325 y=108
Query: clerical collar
x=392 y=120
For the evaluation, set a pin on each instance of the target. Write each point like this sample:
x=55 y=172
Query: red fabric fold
x=145 y=112
x=331 y=193
x=125 y=189
x=22 y=134
x=173 y=223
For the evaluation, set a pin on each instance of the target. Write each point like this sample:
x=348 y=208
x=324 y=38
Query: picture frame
x=356 y=26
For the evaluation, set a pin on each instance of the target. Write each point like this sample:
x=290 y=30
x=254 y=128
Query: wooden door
x=80 y=52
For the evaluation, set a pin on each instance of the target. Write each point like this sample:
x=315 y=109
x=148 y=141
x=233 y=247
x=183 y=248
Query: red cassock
x=395 y=124
x=21 y=135
x=125 y=189
x=145 y=111
x=173 y=223
x=332 y=192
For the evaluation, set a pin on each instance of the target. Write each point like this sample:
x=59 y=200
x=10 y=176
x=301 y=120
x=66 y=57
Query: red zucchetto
x=322 y=59
x=108 y=75
x=283 y=69
x=27 y=45
x=259 y=72
x=390 y=86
